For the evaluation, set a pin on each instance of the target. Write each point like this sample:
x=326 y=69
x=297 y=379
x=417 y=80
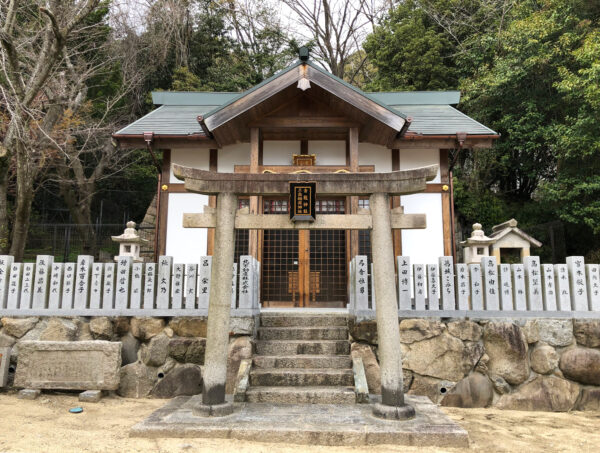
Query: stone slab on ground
x=90 y=396
x=311 y=424
x=29 y=394
x=77 y=365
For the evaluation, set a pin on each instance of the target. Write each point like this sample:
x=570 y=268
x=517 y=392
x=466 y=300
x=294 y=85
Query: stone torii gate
x=225 y=218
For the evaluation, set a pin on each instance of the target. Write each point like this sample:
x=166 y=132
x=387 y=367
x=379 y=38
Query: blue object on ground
x=76 y=410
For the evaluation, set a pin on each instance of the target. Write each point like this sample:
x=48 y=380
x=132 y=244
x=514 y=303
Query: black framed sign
x=303 y=197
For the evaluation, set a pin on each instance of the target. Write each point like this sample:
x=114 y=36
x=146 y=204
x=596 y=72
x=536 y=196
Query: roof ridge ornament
x=304 y=53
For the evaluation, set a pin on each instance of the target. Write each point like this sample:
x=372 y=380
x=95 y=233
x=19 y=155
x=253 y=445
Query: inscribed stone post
x=150 y=286
x=204 y=272
x=533 y=283
x=234 y=288
x=108 y=296
x=246 y=282
x=256 y=280
x=489 y=270
x=14 y=286
x=5 y=263
x=361 y=282
x=191 y=279
x=576 y=265
x=165 y=264
x=593 y=282
x=447 y=283
x=96 y=286
x=123 y=282
x=404 y=299
x=68 y=287
x=419 y=282
x=548 y=287
x=520 y=301
x=82 y=281
x=462 y=286
x=563 y=291
x=476 y=287
x=351 y=288
x=506 y=290
x=433 y=287
x=177 y=282
x=43 y=266
x=27 y=285
x=56 y=279
x=372 y=283
x=137 y=275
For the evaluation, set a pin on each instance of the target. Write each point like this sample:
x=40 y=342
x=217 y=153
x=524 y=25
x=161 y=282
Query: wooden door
x=302 y=268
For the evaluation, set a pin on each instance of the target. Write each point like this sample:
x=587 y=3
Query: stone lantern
x=477 y=246
x=130 y=243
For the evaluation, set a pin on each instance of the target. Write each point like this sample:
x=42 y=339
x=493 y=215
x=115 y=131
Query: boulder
x=372 y=370
x=442 y=357
x=587 y=332
x=195 y=351
x=189 y=327
x=544 y=393
x=121 y=325
x=531 y=330
x=240 y=348
x=129 y=351
x=581 y=365
x=556 y=332
x=83 y=332
x=146 y=328
x=412 y=330
x=241 y=325
x=407 y=379
x=363 y=331
x=6 y=341
x=17 y=327
x=544 y=359
x=59 y=329
x=434 y=389
x=500 y=385
x=178 y=348
x=465 y=330
x=181 y=380
x=475 y=390
x=137 y=380
x=101 y=328
x=506 y=346
x=589 y=400
x=156 y=352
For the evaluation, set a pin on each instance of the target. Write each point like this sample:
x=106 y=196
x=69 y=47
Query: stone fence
x=485 y=290
x=123 y=288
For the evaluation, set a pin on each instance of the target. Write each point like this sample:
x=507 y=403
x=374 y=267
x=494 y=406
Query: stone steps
x=302 y=358
x=301 y=377
x=302 y=320
x=301 y=395
x=303 y=333
x=313 y=347
x=302 y=361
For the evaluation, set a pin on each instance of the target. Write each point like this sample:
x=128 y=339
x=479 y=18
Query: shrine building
x=305 y=120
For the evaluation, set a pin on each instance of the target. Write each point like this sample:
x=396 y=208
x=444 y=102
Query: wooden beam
x=442 y=142
x=213 y=165
x=298 y=121
x=164 y=204
x=340 y=184
x=353 y=154
x=245 y=221
x=254 y=163
x=284 y=169
x=304 y=147
x=170 y=142
x=446 y=218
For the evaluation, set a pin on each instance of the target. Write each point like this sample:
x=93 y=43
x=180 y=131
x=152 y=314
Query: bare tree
x=335 y=28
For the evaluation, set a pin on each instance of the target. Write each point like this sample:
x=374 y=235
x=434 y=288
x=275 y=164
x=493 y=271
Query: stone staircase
x=302 y=358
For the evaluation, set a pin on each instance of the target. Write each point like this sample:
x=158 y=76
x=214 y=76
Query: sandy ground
x=45 y=425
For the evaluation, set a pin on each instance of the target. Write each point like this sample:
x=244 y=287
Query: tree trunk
x=25 y=180
x=4 y=227
x=78 y=199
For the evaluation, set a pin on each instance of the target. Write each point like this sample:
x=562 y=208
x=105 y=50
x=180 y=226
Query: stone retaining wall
x=161 y=357
x=535 y=364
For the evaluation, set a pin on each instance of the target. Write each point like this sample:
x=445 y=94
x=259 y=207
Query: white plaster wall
x=380 y=156
x=279 y=152
x=329 y=152
x=190 y=157
x=424 y=246
x=185 y=245
x=229 y=156
x=414 y=158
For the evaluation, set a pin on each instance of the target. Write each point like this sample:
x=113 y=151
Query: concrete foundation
x=310 y=424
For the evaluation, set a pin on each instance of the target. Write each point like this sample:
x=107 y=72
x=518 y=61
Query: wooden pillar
x=254 y=163
x=353 y=164
x=213 y=165
x=163 y=209
x=396 y=202
x=446 y=217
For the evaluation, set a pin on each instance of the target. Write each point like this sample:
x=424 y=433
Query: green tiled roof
x=431 y=111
